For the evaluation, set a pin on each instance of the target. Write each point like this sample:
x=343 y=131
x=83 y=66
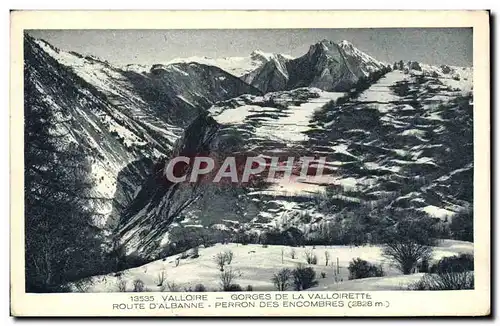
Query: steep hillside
x=123 y=147
x=128 y=119
x=331 y=66
x=175 y=93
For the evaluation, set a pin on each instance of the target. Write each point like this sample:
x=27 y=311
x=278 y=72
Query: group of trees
x=300 y=278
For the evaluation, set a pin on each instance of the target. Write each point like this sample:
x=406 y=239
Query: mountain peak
x=326 y=45
x=321 y=46
x=346 y=44
x=261 y=55
x=326 y=42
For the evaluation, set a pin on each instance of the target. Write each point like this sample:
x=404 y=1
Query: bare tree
x=283 y=279
x=327 y=257
x=220 y=260
x=311 y=257
x=228 y=255
x=226 y=279
x=62 y=243
x=160 y=278
x=122 y=285
x=173 y=287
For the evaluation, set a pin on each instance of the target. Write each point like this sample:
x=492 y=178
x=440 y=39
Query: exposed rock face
x=159 y=201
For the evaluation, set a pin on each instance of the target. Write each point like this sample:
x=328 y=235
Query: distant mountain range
x=327 y=65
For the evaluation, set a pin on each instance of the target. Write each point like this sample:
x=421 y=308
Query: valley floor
x=255 y=265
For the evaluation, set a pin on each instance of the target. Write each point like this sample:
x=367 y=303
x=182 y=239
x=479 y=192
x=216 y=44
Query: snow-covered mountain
x=395 y=141
x=270 y=76
x=327 y=65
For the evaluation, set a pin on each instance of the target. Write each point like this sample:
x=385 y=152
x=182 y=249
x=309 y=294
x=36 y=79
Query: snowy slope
x=255 y=265
x=174 y=93
x=122 y=147
x=237 y=66
x=286 y=122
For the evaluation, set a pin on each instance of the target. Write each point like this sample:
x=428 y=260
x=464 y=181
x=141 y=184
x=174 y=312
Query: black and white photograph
x=249 y=160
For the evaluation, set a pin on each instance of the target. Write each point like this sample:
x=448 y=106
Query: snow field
x=255 y=265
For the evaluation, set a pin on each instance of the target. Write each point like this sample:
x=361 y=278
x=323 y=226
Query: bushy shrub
x=462 y=226
x=311 y=257
x=195 y=252
x=454 y=264
x=304 y=278
x=81 y=286
x=423 y=266
x=122 y=285
x=249 y=288
x=444 y=281
x=282 y=279
x=139 y=286
x=226 y=279
x=228 y=256
x=409 y=242
x=359 y=268
x=199 y=288
x=323 y=274
x=233 y=288
x=173 y=287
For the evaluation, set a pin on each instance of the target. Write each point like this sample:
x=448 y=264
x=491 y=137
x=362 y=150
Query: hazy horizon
x=435 y=46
